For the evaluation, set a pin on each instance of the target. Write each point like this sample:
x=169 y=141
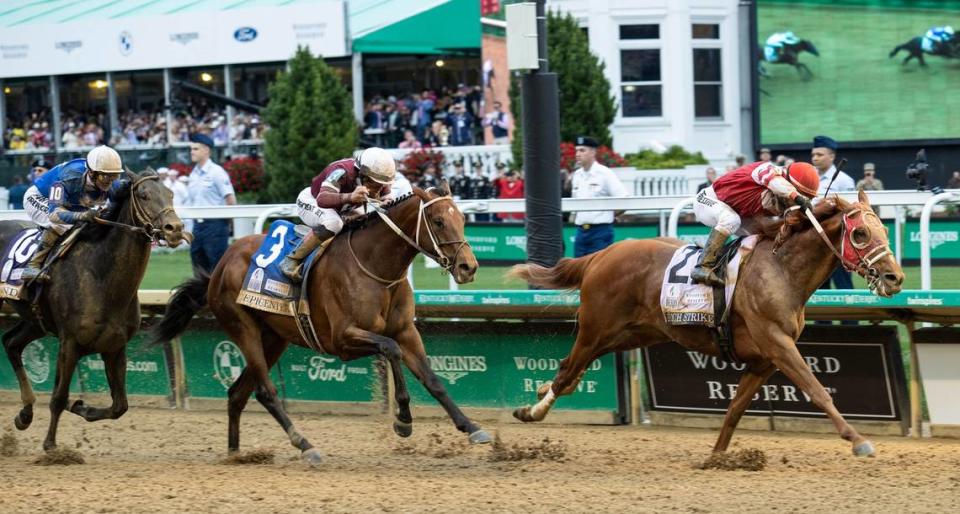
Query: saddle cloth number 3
x=280 y=233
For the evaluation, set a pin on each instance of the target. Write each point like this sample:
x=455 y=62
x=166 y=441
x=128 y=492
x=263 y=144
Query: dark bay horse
x=914 y=49
x=90 y=302
x=791 y=55
x=620 y=305
x=360 y=302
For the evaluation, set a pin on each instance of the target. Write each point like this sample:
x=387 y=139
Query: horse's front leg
x=415 y=358
x=751 y=380
x=786 y=356
x=115 y=364
x=356 y=343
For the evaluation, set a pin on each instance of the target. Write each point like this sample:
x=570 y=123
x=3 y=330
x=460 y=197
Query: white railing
x=926 y=280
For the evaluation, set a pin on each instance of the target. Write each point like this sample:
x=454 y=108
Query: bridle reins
x=144 y=224
x=445 y=262
x=860 y=262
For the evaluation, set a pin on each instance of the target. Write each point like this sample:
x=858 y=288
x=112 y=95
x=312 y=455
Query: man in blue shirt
x=69 y=193
x=461 y=125
x=208 y=185
x=16 y=192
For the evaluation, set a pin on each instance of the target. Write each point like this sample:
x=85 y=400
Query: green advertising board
x=212 y=363
x=311 y=376
x=501 y=365
x=506 y=242
x=147 y=371
x=40 y=364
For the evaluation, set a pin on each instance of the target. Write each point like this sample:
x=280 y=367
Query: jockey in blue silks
x=776 y=43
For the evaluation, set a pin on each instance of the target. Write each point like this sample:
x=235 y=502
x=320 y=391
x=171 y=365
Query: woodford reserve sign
x=861 y=368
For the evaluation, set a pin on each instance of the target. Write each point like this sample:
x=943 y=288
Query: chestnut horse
x=360 y=302
x=620 y=304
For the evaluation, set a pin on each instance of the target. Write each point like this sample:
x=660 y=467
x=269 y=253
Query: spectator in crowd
x=209 y=185
x=729 y=167
x=711 y=176
x=438 y=135
x=410 y=141
x=38 y=167
x=460 y=125
x=424 y=105
x=593 y=180
x=509 y=185
x=740 y=160
x=954 y=182
x=171 y=179
x=822 y=156
x=480 y=188
x=459 y=181
x=431 y=176
x=499 y=123
x=765 y=155
x=869 y=182
x=16 y=192
x=374 y=119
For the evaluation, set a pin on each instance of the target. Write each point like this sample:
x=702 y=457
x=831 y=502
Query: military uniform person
x=460 y=182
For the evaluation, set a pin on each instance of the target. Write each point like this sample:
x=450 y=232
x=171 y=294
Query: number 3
x=280 y=234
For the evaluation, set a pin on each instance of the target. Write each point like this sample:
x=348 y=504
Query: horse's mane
x=361 y=221
x=783 y=227
x=96 y=232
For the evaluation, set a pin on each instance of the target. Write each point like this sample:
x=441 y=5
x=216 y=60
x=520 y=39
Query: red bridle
x=859 y=248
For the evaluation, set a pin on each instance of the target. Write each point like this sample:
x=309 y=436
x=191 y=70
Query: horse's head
x=808 y=46
x=444 y=225
x=865 y=247
x=151 y=207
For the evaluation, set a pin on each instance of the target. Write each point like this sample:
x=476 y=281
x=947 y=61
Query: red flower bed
x=416 y=161
x=246 y=174
x=182 y=169
x=605 y=156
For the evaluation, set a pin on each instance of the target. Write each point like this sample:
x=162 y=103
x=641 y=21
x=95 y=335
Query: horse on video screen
x=620 y=303
x=915 y=50
x=90 y=302
x=787 y=53
x=360 y=303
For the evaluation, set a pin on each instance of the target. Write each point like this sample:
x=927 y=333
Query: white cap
x=104 y=159
x=377 y=164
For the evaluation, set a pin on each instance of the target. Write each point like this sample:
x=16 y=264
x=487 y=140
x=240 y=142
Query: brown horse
x=620 y=304
x=360 y=302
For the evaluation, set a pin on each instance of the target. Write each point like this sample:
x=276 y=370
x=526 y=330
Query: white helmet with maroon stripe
x=377 y=164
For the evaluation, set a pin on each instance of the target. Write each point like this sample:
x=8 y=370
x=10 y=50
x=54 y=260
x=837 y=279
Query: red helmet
x=804 y=177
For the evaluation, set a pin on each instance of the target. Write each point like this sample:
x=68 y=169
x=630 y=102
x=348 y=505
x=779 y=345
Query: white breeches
x=314 y=216
x=715 y=214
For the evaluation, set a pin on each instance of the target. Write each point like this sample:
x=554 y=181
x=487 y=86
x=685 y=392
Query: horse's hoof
x=312 y=457
x=78 y=407
x=403 y=429
x=22 y=422
x=480 y=437
x=864 y=449
x=523 y=414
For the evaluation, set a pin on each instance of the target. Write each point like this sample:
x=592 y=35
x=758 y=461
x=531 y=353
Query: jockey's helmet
x=104 y=159
x=804 y=177
x=377 y=164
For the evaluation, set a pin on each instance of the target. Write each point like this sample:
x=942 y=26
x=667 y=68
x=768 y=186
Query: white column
x=55 y=112
x=228 y=90
x=3 y=109
x=676 y=67
x=168 y=113
x=112 y=107
x=358 y=85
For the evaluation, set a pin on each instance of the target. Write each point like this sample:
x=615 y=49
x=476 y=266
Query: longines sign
x=861 y=368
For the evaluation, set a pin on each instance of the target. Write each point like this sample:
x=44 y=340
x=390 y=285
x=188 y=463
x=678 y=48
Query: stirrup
x=294 y=273
x=34 y=275
x=707 y=277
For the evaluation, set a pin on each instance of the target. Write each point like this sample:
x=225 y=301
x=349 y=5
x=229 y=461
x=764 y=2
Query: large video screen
x=858 y=70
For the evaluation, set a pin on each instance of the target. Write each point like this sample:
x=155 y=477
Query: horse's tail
x=188 y=298
x=567 y=274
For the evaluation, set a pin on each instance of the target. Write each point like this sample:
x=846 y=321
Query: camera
x=917 y=172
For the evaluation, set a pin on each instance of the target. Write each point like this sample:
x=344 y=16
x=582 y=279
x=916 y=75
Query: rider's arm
x=771 y=177
x=58 y=208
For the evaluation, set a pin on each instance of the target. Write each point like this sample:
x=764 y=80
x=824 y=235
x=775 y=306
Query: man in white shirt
x=593 y=180
x=209 y=185
x=822 y=156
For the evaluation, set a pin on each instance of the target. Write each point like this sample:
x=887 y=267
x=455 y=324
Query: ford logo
x=245 y=34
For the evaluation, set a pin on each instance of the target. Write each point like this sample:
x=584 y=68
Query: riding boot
x=292 y=265
x=48 y=240
x=704 y=272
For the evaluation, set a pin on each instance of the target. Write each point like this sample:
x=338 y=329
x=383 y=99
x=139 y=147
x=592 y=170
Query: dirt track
x=158 y=460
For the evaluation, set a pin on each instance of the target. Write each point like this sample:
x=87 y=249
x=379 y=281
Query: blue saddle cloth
x=266 y=287
x=16 y=255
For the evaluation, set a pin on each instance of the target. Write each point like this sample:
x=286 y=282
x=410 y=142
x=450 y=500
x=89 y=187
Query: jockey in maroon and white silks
x=339 y=188
x=746 y=192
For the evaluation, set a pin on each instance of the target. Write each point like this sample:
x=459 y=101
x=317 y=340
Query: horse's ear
x=443 y=189
x=863 y=198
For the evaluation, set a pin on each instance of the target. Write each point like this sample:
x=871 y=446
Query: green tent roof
x=415 y=27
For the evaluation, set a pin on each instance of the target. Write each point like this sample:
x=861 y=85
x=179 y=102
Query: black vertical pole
x=541 y=156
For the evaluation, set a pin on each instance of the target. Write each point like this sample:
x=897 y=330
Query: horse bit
x=144 y=223
x=445 y=262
